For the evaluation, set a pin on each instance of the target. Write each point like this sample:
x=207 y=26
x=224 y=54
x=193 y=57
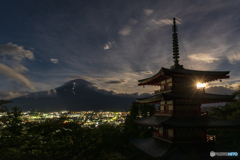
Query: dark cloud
x=115 y=82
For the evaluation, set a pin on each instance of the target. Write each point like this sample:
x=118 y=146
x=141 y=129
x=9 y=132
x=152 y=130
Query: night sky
x=112 y=43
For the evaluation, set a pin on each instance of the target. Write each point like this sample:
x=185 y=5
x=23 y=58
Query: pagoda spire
x=175 y=47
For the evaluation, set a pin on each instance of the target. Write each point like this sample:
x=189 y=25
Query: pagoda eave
x=197 y=96
x=186 y=121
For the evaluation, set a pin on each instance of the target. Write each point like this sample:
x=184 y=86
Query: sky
x=112 y=43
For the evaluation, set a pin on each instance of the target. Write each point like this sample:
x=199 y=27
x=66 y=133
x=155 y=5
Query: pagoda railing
x=163 y=112
x=189 y=138
x=156 y=134
x=162 y=90
x=180 y=112
x=187 y=112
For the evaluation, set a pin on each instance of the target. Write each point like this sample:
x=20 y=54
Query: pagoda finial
x=175 y=47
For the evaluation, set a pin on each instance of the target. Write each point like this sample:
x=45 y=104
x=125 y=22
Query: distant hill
x=75 y=95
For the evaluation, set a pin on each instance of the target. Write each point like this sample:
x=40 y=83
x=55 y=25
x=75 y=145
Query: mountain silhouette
x=75 y=95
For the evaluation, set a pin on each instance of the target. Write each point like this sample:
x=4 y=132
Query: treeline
x=54 y=139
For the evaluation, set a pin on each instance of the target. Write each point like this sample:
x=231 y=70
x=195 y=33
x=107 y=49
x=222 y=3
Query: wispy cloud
x=12 y=94
x=234 y=57
x=147 y=72
x=148 y=11
x=16 y=76
x=163 y=22
x=126 y=30
x=204 y=57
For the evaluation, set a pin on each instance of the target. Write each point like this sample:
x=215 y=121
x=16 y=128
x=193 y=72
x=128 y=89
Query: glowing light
x=201 y=85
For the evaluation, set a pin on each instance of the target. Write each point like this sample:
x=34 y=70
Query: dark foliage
x=230 y=111
x=55 y=139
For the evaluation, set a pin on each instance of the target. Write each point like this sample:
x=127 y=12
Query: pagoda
x=179 y=122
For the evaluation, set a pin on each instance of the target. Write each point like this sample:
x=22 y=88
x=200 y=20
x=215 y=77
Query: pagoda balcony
x=187 y=112
x=156 y=134
x=163 y=112
x=157 y=91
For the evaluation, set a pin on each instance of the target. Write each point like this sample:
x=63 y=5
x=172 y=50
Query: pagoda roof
x=154 y=98
x=198 y=95
x=186 y=121
x=203 y=76
x=152 y=121
x=159 y=148
x=152 y=146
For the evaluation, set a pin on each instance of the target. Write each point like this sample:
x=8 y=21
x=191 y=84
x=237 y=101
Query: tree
x=147 y=110
x=12 y=120
x=230 y=111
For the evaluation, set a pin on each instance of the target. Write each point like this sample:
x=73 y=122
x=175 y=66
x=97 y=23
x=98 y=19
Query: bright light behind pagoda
x=201 y=85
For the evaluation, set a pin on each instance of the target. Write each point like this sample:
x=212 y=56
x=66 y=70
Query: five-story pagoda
x=179 y=121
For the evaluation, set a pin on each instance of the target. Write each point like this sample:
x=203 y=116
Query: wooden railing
x=189 y=138
x=162 y=90
x=187 y=112
x=156 y=134
x=163 y=112
x=181 y=112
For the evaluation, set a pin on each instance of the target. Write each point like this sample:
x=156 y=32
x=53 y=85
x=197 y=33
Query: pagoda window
x=162 y=108
x=163 y=82
x=170 y=84
x=162 y=102
x=161 y=131
x=162 y=87
x=169 y=80
x=170 y=133
x=170 y=107
x=169 y=102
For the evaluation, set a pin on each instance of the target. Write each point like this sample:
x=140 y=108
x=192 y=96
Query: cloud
x=108 y=45
x=204 y=57
x=52 y=92
x=15 y=51
x=147 y=72
x=219 y=90
x=148 y=11
x=12 y=94
x=19 y=68
x=234 y=57
x=13 y=73
x=54 y=60
x=115 y=82
x=163 y=22
x=79 y=77
x=234 y=86
x=125 y=31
